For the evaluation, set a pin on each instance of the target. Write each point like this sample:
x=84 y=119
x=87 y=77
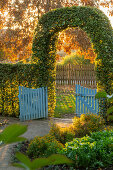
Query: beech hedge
x=11 y=77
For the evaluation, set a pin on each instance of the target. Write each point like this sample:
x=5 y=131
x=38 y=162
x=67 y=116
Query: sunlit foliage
x=19 y=17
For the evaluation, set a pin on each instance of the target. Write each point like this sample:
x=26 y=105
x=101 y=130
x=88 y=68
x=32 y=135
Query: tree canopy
x=19 y=17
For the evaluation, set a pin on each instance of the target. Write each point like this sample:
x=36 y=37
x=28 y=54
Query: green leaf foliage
x=110 y=110
x=91 y=152
x=107 y=106
x=101 y=94
x=110 y=99
x=11 y=77
x=54 y=159
x=12 y=132
x=43 y=146
x=74 y=59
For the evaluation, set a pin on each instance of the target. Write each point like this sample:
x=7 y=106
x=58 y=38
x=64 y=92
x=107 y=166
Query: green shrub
x=106 y=105
x=74 y=59
x=81 y=126
x=43 y=146
x=93 y=151
x=110 y=109
x=87 y=123
x=63 y=135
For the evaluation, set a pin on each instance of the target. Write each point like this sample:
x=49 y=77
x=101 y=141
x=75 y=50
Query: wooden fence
x=80 y=74
x=33 y=103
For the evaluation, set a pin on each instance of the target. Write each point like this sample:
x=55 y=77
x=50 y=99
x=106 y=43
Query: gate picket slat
x=90 y=100
x=76 y=90
x=30 y=100
x=33 y=103
x=25 y=103
x=79 y=109
x=93 y=99
x=21 y=102
x=46 y=102
x=82 y=93
x=36 y=101
x=29 y=108
x=33 y=109
x=84 y=99
x=87 y=99
x=25 y=107
x=43 y=101
x=39 y=103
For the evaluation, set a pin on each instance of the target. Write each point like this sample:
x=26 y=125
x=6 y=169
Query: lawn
x=65 y=102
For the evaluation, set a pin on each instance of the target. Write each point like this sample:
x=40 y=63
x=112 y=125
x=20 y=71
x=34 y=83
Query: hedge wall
x=11 y=77
x=97 y=26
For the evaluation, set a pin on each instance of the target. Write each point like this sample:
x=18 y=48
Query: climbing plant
x=97 y=26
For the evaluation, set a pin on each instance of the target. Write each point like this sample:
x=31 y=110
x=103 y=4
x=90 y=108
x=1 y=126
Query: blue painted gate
x=33 y=103
x=85 y=100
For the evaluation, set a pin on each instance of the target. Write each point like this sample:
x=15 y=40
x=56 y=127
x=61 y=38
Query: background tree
x=18 y=20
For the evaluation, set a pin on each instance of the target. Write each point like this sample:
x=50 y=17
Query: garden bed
x=59 y=138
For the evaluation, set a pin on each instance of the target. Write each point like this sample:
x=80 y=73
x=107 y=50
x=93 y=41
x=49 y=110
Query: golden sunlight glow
x=107 y=14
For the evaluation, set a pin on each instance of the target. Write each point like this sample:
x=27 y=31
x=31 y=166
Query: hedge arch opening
x=98 y=28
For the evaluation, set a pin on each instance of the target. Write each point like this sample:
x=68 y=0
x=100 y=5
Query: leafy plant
x=107 y=107
x=87 y=123
x=101 y=94
x=63 y=135
x=74 y=59
x=94 y=151
x=11 y=134
x=43 y=146
x=41 y=162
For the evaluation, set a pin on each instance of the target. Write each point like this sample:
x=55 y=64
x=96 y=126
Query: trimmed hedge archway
x=98 y=28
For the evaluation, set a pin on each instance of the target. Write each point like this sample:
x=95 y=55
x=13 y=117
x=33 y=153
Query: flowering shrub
x=43 y=146
x=63 y=135
x=87 y=123
x=81 y=126
x=93 y=151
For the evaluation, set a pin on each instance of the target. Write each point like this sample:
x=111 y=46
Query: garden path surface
x=39 y=127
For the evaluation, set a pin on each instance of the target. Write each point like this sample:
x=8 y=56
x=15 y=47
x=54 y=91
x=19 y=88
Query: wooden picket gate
x=85 y=100
x=33 y=103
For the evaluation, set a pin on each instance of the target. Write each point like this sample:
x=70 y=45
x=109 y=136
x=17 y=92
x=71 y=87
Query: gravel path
x=38 y=127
